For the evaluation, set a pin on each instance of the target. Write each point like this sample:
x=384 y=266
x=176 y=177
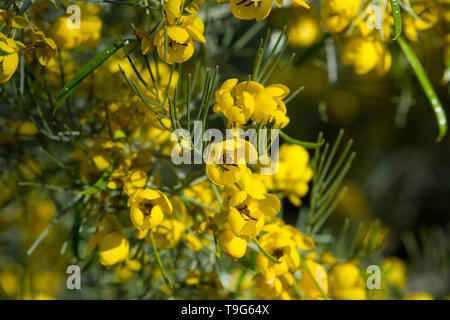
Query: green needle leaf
x=397 y=18
x=427 y=87
x=100 y=182
x=307 y=145
x=85 y=71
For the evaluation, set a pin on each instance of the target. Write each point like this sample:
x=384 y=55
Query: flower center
x=278 y=253
x=245 y=212
x=146 y=208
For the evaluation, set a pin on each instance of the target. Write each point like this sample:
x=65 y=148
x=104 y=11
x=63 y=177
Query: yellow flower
x=366 y=54
x=240 y=102
x=181 y=33
x=246 y=214
x=395 y=271
x=338 y=14
x=226 y=162
x=269 y=105
x=87 y=35
x=9 y=57
x=193 y=242
x=232 y=245
x=269 y=289
x=308 y=284
x=303 y=31
x=148 y=207
x=250 y=9
x=328 y=258
x=236 y=105
x=168 y=233
x=346 y=283
x=284 y=250
x=126 y=272
x=257 y=9
x=293 y=173
x=113 y=246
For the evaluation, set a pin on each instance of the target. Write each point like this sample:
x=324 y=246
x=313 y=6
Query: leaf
x=307 y=145
x=328 y=176
x=396 y=14
x=427 y=87
x=88 y=68
x=100 y=182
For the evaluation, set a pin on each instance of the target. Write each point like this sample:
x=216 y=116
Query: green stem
x=305 y=266
x=307 y=145
x=158 y=260
x=268 y=255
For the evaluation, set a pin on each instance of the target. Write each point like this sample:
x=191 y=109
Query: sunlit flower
x=148 y=207
x=113 y=246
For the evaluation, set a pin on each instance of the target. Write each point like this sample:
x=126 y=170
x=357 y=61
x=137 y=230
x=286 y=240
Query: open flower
x=148 y=207
x=249 y=99
x=257 y=9
x=226 y=162
x=181 y=32
x=246 y=215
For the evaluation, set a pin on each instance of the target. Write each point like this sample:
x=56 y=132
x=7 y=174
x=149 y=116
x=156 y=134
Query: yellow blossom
x=395 y=271
x=148 y=207
x=258 y=10
x=113 y=246
x=366 y=54
x=87 y=35
x=181 y=32
x=346 y=283
x=246 y=214
x=226 y=162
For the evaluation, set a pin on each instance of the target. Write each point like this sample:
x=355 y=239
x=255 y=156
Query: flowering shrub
x=145 y=142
